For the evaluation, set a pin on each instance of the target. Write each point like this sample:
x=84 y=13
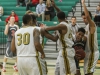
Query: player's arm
x=59 y=27
x=54 y=5
x=48 y=35
x=91 y=23
x=36 y=35
x=6 y=28
x=13 y=47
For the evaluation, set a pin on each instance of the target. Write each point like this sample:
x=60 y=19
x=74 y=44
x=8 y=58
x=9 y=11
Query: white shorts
x=29 y=66
x=60 y=66
x=90 y=65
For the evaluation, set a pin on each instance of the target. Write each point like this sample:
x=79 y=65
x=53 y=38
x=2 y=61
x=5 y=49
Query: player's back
x=24 y=41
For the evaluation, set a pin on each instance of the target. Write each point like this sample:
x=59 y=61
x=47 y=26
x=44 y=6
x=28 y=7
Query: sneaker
x=15 y=68
x=3 y=69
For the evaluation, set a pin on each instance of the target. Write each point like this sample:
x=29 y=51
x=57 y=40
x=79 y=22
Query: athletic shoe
x=15 y=68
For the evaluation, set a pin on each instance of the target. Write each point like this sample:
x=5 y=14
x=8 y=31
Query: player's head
x=13 y=13
x=12 y=19
x=98 y=7
x=40 y=1
x=80 y=34
x=33 y=19
x=73 y=20
x=85 y=18
x=27 y=19
x=61 y=16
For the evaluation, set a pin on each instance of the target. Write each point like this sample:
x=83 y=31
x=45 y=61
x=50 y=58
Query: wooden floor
x=51 y=67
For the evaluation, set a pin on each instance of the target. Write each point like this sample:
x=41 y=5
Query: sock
x=4 y=64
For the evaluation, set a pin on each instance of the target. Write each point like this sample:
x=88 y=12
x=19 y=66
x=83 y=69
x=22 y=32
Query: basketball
x=81 y=53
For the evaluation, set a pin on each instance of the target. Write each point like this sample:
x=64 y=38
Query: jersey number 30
x=23 y=39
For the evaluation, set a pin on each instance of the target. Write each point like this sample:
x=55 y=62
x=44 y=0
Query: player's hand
x=42 y=56
x=8 y=23
x=77 y=56
x=83 y=1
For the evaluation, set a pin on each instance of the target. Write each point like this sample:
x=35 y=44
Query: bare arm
x=13 y=47
x=48 y=35
x=36 y=35
x=91 y=23
x=54 y=5
x=59 y=27
x=6 y=29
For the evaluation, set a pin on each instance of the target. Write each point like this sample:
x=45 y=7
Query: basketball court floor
x=50 y=63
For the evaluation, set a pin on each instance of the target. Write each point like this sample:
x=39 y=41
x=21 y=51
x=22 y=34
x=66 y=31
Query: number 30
x=23 y=39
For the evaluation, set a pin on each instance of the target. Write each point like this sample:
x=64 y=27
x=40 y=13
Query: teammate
x=65 y=61
x=92 y=52
x=27 y=44
x=10 y=29
x=79 y=43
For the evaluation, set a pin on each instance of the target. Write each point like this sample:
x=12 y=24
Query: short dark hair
x=33 y=17
x=61 y=15
x=73 y=17
x=26 y=18
x=83 y=14
x=81 y=30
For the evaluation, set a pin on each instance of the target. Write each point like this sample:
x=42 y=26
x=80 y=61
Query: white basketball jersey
x=91 y=40
x=67 y=37
x=24 y=41
x=41 y=39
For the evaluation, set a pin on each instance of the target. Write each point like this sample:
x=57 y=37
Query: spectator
x=74 y=25
x=49 y=12
x=21 y=1
x=1 y=12
x=97 y=15
x=33 y=3
x=40 y=9
x=12 y=14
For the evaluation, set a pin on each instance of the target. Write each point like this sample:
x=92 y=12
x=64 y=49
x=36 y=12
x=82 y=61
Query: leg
x=15 y=66
x=4 y=64
x=18 y=3
x=29 y=5
x=42 y=17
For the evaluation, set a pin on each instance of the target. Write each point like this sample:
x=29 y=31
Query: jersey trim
x=64 y=53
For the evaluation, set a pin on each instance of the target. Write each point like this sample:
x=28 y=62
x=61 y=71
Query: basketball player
x=10 y=29
x=42 y=34
x=26 y=43
x=65 y=61
x=92 y=52
x=79 y=43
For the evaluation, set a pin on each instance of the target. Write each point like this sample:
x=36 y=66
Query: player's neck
x=12 y=24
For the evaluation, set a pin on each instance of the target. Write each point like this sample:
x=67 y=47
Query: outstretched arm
x=59 y=27
x=91 y=23
x=48 y=35
x=36 y=35
x=54 y=5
